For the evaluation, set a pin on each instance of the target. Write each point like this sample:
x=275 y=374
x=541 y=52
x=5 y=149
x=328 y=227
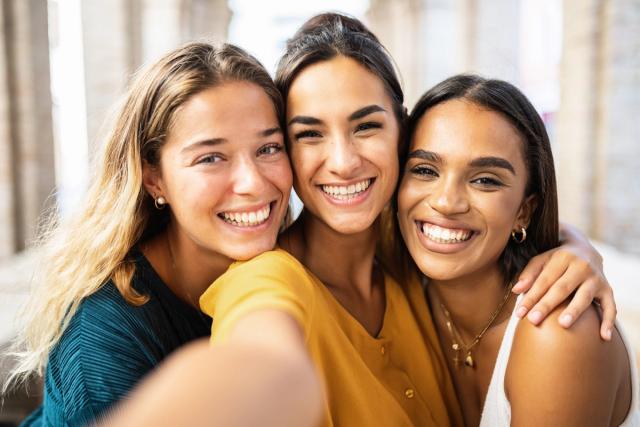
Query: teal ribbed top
x=110 y=345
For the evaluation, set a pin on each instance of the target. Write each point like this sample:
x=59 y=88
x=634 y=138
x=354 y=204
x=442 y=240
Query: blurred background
x=65 y=63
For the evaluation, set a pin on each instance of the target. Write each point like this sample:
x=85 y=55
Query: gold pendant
x=469 y=360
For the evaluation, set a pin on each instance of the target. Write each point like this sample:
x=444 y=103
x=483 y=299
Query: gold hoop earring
x=521 y=238
x=160 y=203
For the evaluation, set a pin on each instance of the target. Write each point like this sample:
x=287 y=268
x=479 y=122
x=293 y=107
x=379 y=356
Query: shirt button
x=409 y=393
x=382 y=350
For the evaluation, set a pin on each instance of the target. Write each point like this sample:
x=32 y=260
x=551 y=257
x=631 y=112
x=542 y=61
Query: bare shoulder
x=569 y=373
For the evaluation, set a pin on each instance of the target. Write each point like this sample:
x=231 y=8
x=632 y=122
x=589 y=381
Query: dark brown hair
x=513 y=105
x=328 y=35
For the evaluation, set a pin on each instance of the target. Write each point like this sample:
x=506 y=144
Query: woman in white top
x=477 y=200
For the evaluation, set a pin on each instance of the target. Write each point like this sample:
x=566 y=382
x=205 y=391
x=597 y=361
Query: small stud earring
x=160 y=203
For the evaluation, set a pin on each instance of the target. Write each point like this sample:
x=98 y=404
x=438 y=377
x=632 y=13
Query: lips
x=247 y=218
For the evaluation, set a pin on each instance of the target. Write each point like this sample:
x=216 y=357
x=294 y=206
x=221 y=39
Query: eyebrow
x=304 y=120
x=480 y=162
x=365 y=111
x=270 y=131
x=212 y=142
x=425 y=155
x=492 y=162
x=362 y=112
x=203 y=143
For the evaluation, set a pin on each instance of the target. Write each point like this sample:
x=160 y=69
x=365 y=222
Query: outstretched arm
x=261 y=376
x=551 y=277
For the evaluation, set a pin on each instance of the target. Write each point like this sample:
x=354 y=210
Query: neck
x=470 y=300
x=343 y=261
x=186 y=268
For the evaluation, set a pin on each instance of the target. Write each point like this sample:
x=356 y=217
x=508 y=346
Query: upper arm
x=560 y=376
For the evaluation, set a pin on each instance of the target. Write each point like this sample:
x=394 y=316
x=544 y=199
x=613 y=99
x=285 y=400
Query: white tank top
x=497 y=410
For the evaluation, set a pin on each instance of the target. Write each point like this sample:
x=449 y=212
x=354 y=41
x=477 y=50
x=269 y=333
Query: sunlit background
x=65 y=63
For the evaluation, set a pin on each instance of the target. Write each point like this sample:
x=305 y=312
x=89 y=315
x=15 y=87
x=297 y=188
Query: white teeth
x=346 y=192
x=445 y=235
x=247 y=219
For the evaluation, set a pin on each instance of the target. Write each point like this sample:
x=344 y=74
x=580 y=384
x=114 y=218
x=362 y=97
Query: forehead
x=340 y=84
x=218 y=112
x=466 y=130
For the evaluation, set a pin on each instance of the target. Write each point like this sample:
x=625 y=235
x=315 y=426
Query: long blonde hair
x=84 y=252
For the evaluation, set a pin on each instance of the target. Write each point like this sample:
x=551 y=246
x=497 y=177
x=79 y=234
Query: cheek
x=303 y=162
x=194 y=191
x=500 y=212
x=279 y=175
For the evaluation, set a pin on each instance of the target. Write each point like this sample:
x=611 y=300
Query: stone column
x=121 y=35
x=598 y=126
x=111 y=51
x=491 y=38
x=7 y=173
x=169 y=23
x=396 y=24
x=576 y=126
x=26 y=125
x=209 y=19
x=435 y=39
x=617 y=152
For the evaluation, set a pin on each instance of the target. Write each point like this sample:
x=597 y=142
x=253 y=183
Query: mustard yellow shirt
x=398 y=378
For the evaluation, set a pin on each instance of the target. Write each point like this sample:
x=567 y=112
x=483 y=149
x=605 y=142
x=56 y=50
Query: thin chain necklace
x=458 y=345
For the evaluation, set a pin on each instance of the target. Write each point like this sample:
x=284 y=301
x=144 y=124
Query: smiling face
x=224 y=171
x=344 y=143
x=463 y=190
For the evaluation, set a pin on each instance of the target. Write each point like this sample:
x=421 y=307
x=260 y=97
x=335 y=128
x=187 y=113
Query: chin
x=241 y=252
x=346 y=226
x=438 y=270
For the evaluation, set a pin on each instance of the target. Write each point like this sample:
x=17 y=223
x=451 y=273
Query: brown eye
x=368 y=126
x=307 y=134
x=423 y=171
x=486 y=181
x=210 y=158
x=270 y=149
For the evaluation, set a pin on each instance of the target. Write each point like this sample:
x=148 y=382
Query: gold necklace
x=458 y=345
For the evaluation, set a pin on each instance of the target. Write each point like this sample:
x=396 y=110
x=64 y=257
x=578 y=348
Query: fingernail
x=566 y=320
x=535 y=317
x=520 y=282
x=521 y=311
x=607 y=334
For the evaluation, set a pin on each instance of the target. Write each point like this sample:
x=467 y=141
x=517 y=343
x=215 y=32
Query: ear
x=527 y=208
x=152 y=180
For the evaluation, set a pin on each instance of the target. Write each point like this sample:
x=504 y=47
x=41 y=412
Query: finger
x=555 y=295
x=579 y=303
x=531 y=272
x=552 y=271
x=609 y=312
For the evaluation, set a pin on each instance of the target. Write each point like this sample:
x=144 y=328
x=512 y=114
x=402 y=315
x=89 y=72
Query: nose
x=448 y=197
x=343 y=158
x=247 y=177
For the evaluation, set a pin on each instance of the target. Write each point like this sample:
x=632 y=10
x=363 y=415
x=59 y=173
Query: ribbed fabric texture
x=110 y=345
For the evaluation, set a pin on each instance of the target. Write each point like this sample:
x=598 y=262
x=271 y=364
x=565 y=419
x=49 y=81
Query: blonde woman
x=185 y=184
